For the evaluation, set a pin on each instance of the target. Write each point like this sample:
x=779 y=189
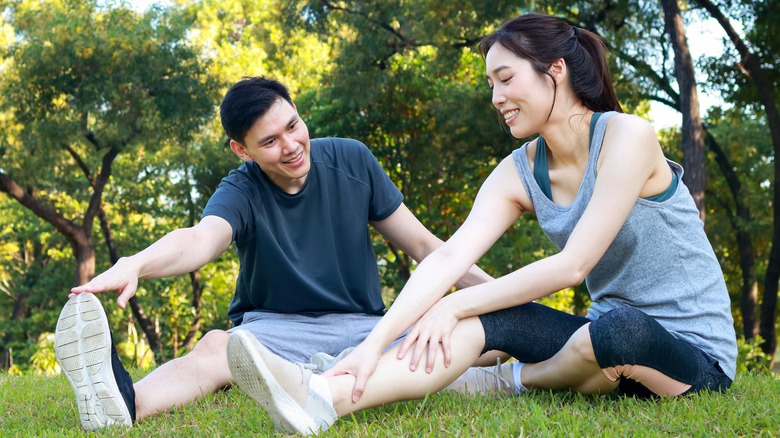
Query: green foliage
x=44 y=360
x=750 y=356
x=32 y=268
x=99 y=78
x=79 y=77
x=725 y=74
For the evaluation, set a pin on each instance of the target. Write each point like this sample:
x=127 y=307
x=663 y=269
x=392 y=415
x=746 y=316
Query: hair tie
x=576 y=32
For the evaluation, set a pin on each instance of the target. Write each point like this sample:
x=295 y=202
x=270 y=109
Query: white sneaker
x=82 y=344
x=281 y=387
x=485 y=380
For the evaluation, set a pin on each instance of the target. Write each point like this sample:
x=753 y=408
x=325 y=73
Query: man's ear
x=239 y=150
x=558 y=70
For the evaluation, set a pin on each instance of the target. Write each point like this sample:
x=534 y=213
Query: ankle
x=319 y=384
x=341 y=392
x=517 y=377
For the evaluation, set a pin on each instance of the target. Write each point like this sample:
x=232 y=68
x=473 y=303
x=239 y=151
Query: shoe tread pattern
x=83 y=349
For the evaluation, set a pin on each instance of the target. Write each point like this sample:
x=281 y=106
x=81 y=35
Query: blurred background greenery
x=109 y=138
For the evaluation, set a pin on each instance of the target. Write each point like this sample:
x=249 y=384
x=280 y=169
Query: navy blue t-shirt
x=308 y=253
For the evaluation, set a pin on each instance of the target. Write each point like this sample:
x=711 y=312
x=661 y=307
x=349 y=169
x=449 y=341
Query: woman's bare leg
x=573 y=367
x=489 y=358
x=393 y=381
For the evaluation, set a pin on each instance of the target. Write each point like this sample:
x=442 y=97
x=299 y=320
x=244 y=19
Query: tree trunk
x=147 y=325
x=84 y=252
x=197 y=294
x=766 y=94
x=747 y=258
x=692 y=132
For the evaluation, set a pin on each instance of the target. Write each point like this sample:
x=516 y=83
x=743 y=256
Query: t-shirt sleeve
x=385 y=196
x=232 y=204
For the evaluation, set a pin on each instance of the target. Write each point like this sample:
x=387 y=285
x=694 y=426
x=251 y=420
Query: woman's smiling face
x=521 y=94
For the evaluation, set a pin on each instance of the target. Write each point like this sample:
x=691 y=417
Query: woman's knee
x=582 y=345
x=623 y=333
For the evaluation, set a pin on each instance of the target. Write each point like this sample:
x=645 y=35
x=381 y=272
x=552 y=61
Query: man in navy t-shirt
x=298 y=212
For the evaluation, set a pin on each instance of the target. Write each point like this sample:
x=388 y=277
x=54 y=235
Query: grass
x=45 y=407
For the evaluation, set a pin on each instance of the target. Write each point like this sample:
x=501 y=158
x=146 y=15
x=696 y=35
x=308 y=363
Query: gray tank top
x=660 y=262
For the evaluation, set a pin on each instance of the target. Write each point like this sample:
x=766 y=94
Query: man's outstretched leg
x=104 y=390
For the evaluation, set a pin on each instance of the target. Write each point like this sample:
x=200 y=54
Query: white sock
x=319 y=385
x=516 y=367
x=319 y=404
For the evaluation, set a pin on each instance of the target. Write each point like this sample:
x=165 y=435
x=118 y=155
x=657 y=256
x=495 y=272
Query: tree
x=88 y=83
x=692 y=131
x=761 y=72
x=408 y=81
x=30 y=266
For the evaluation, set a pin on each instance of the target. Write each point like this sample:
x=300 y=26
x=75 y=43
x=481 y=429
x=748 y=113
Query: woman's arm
x=494 y=206
x=631 y=165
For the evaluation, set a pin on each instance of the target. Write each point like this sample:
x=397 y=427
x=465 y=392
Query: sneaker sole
x=82 y=345
x=256 y=380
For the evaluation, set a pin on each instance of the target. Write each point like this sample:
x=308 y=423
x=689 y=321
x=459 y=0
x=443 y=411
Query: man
x=298 y=211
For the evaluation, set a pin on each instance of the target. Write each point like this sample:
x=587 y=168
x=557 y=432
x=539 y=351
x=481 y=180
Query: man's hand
x=431 y=331
x=121 y=277
x=361 y=363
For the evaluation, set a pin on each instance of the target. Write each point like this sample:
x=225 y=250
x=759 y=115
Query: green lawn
x=44 y=406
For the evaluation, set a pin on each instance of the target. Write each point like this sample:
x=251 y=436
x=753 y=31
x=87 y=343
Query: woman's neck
x=567 y=134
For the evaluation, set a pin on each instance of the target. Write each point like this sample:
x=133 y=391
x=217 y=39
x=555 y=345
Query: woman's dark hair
x=542 y=39
x=248 y=100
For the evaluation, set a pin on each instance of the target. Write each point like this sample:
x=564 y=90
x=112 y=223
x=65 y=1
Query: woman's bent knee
x=582 y=345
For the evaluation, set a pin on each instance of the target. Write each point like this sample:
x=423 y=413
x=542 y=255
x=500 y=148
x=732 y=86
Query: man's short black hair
x=248 y=100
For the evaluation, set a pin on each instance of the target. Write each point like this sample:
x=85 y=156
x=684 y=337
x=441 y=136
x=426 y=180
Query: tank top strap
x=541 y=168
x=598 y=128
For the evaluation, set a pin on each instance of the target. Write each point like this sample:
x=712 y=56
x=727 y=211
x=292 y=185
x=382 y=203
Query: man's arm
x=406 y=232
x=178 y=252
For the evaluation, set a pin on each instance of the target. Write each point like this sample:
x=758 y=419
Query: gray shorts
x=298 y=337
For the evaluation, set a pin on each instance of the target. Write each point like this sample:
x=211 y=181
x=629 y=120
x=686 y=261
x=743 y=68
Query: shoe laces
x=499 y=383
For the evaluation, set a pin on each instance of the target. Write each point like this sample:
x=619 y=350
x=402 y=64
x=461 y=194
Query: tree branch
x=39 y=208
x=79 y=162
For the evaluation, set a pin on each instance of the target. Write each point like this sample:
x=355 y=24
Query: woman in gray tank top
x=660 y=322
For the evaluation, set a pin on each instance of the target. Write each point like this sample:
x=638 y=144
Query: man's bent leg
x=180 y=381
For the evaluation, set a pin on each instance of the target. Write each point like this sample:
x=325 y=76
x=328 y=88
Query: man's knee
x=213 y=343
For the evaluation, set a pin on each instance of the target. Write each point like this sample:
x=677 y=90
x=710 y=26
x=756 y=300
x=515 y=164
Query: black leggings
x=624 y=336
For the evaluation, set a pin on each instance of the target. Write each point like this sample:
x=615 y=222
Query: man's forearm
x=473 y=277
x=178 y=252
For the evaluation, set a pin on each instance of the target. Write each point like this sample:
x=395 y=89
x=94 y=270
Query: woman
x=660 y=320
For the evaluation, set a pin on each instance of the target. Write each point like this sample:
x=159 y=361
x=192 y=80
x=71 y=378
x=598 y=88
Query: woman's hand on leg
x=432 y=331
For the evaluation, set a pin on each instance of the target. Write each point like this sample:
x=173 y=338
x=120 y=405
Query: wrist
x=454 y=306
x=129 y=264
